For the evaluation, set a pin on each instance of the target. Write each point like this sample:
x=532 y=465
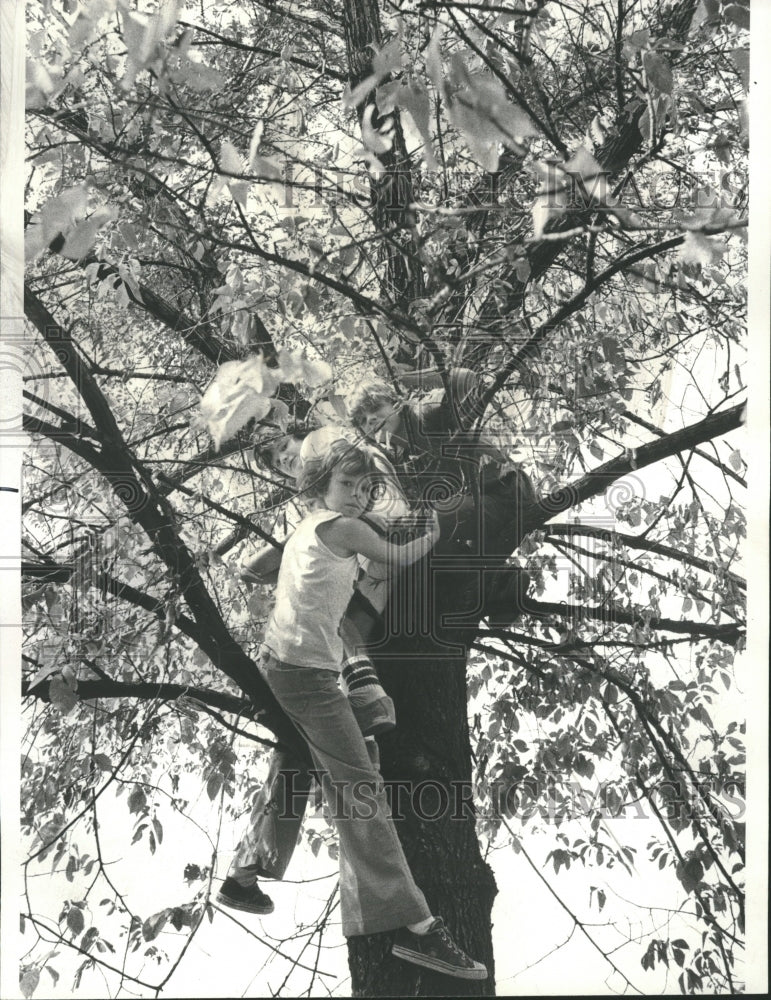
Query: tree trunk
x=426 y=762
x=392 y=193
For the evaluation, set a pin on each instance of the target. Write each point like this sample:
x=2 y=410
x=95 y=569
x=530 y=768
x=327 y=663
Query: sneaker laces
x=448 y=939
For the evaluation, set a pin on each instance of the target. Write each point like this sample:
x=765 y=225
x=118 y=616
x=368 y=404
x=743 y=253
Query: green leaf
x=239 y=392
x=28 y=981
x=739 y=15
x=658 y=71
x=153 y=926
x=700 y=249
x=81 y=239
x=214 y=784
x=62 y=695
x=414 y=99
x=75 y=920
x=137 y=800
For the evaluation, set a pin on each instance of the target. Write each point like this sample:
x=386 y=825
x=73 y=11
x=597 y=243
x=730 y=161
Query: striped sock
x=372 y=707
x=360 y=681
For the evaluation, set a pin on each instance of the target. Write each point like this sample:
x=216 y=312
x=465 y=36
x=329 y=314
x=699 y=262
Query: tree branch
x=614 y=615
x=597 y=480
x=645 y=545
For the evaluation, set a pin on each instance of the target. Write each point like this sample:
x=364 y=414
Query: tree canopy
x=257 y=205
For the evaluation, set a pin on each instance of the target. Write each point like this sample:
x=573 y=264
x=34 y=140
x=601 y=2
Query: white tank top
x=312 y=594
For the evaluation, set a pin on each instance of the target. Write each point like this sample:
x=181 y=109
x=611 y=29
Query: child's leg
x=373 y=709
x=377 y=890
x=270 y=838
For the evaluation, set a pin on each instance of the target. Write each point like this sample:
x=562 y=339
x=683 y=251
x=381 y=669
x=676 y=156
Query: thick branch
x=52 y=572
x=598 y=480
x=148 y=510
x=148 y=691
x=645 y=545
x=613 y=615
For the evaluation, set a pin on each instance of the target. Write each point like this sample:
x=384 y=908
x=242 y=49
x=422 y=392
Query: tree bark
x=426 y=762
x=392 y=194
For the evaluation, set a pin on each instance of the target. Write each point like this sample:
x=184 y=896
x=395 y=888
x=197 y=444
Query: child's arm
x=351 y=536
x=263 y=568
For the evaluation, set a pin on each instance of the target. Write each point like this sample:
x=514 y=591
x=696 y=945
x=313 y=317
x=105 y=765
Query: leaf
x=385 y=61
x=551 y=200
x=153 y=926
x=239 y=392
x=137 y=800
x=201 y=77
x=690 y=873
x=738 y=14
x=256 y=604
x=28 y=981
x=735 y=460
x=583 y=164
x=89 y=937
x=58 y=215
x=414 y=99
x=62 y=695
x=75 y=920
x=700 y=249
x=254 y=145
x=43 y=674
x=296 y=367
x=658 y=71
x=80 y=240
x=434 y=65
x=214 y=784
x=143 y=36
x=741 y=60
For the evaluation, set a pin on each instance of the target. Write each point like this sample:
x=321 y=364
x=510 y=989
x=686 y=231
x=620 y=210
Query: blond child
x=301 y=661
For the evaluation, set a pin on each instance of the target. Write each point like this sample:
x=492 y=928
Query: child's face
x=382 y=421
x=347 y=493
x=285 y=456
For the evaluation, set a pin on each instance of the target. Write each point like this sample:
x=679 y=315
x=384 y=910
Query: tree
x=555 y=198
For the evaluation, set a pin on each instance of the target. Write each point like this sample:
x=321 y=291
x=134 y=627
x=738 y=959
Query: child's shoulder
x=340 y=533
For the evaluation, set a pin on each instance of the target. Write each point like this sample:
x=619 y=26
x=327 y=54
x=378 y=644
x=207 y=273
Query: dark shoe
x=436 y=950
x=244 y=897
x=375 y=717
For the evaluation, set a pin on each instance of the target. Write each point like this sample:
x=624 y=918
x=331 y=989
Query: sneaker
x=436 y=950
x=375 y=717
x=244 y=897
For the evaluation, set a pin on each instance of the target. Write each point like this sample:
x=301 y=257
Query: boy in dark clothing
x=437 y=454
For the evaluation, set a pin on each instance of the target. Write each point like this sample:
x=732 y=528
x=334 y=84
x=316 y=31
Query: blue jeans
x=377 y=890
